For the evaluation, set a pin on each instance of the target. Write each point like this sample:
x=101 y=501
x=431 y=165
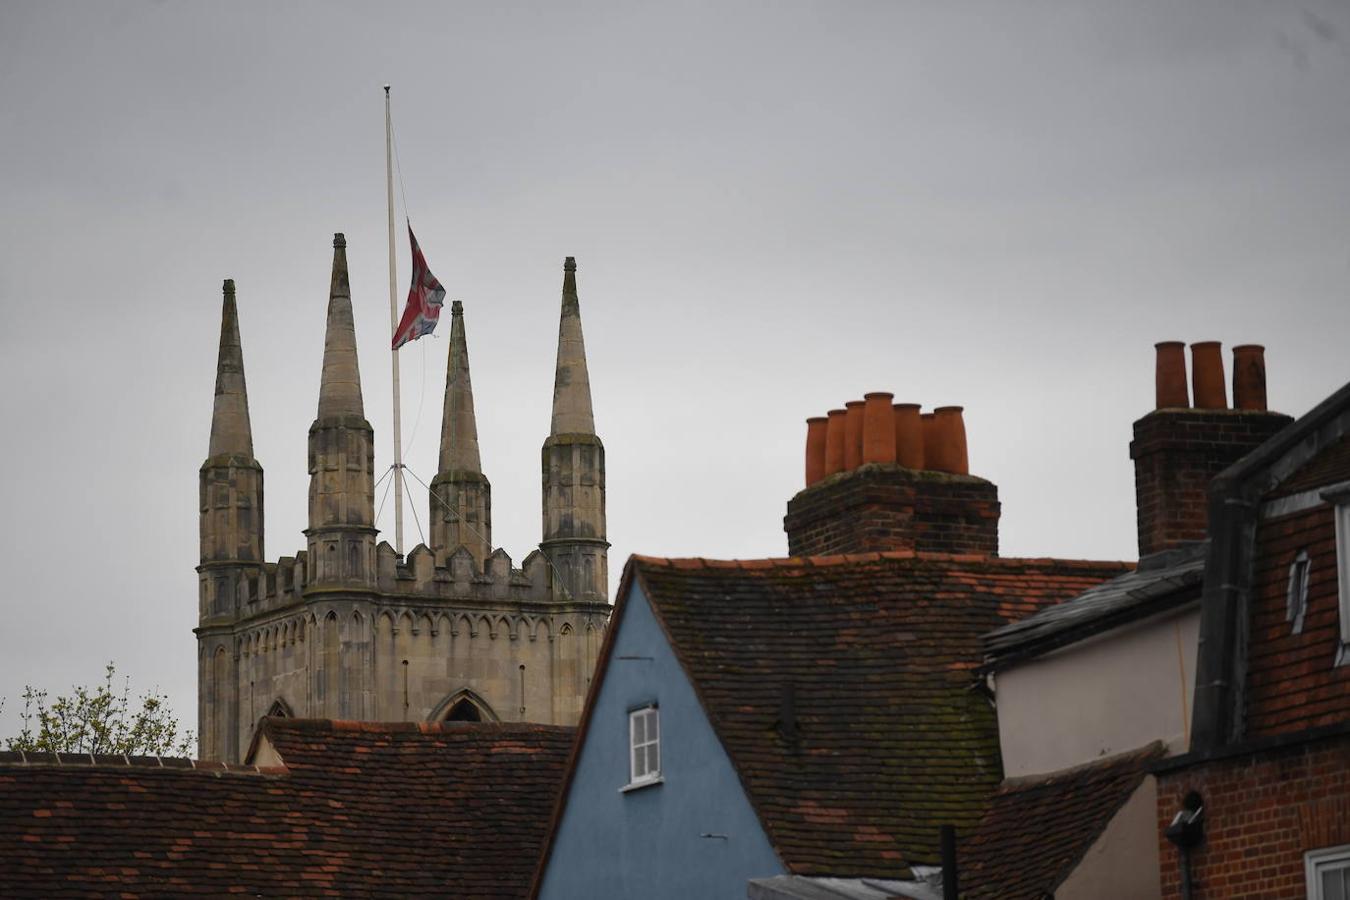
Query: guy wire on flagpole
x=393 y=325
x=562 y=582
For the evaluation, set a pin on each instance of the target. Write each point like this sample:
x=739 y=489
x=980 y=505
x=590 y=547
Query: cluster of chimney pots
x=875 y=430
x=1207 y=381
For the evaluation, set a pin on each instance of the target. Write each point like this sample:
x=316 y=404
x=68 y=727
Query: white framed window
x=1328 y=873
x=644 y=746
x=1296 y=604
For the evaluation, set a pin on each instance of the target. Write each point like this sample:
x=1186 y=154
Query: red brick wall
x=1176 y=454
x=1292 y=680
x=887 y=507
x=1262 y=814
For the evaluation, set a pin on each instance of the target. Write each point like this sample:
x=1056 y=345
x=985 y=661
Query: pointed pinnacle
x=231 y=434
x=459 y=428
x=340 y=385
x=571 y=382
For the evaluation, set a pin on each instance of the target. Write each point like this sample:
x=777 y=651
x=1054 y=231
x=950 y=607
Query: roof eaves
x=1007 y=647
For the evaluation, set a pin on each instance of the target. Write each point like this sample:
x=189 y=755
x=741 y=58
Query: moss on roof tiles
x=879 y=651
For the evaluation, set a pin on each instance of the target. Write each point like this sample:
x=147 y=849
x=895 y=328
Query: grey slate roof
x=1160 y=582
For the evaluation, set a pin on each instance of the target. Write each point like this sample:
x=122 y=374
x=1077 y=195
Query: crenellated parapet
x=426 y=575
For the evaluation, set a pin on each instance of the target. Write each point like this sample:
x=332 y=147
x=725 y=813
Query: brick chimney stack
x=880 y=478
x=1179 y=447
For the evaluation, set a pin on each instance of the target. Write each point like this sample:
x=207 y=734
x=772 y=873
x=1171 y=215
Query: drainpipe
x=947 y=839
x=1187 y=831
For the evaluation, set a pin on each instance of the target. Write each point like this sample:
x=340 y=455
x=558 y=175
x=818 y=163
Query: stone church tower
x=346 y=629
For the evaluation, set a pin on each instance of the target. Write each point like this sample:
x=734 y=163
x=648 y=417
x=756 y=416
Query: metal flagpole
x=393 y=327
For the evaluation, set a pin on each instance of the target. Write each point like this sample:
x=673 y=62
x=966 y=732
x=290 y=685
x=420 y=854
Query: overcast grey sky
x=775 y=207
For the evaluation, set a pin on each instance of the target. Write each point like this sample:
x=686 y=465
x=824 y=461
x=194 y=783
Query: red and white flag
x=424 y=299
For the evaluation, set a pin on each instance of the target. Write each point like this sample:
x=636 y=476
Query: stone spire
x=231 y=434
x=340 y=388
x=574 y=468
x=230 y=503
x=459 y=429
x=461 y=496
x=341 y=532
x=571 y=382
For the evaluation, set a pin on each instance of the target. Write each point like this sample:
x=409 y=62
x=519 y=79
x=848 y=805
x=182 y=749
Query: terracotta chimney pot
x=834 y=442
x=815 y=449
x=951 y=429
x=928 y=425
x=853 y=434
x=1207 y=375
x=1249 y=377
x=878 y=428
x=1171 y=376
x=908 y=435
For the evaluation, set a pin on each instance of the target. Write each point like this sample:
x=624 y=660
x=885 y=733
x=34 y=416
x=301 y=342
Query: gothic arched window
x=464 y=711
x=463 y=706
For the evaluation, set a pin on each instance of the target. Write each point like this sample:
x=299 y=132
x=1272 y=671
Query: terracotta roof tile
x=842 y=686
x=1039 y=828
x=357 y=809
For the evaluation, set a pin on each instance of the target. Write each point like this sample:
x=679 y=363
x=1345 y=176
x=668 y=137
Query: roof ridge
x=827 y=560
x=59 y=760
x=354 y=725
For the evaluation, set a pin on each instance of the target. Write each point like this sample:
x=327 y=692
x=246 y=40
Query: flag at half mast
x=425 y=297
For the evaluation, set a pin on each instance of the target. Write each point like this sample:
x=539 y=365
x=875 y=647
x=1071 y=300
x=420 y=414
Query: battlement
x=424 y=575
x=456 y=575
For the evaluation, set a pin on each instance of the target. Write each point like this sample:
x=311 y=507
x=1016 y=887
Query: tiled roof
x=1329 y=466
x=357 y=809
x=843 y=690
x=1038 y=828
x=1162 y=581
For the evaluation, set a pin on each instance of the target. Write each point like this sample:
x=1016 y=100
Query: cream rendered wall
x=1123 y=862
x=1106 y=695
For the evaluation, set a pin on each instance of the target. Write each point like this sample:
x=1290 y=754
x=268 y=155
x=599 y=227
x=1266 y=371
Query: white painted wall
x=1106 y=695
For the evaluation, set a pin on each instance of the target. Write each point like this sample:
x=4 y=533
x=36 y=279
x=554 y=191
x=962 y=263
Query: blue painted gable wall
x=646 y=843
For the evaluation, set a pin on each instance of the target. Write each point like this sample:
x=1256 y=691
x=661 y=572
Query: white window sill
x=639 y=785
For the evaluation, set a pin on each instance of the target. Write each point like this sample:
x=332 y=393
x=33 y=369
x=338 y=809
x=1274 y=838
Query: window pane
x=654 y=758
x=1332 y=886
x=638 y=766
x=653 y=726
x=639 y=728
